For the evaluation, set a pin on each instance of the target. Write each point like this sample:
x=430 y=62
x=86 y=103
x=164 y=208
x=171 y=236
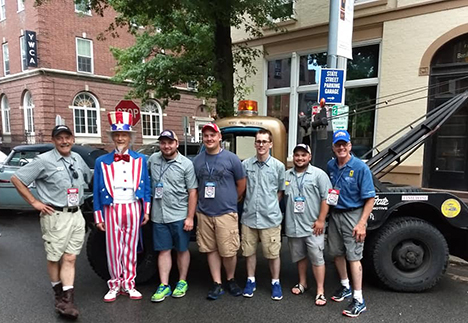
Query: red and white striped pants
x=122 y=227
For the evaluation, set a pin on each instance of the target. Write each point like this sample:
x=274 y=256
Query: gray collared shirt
x=178 y=176
x=53 y=177
x=264 y=181
x=315 y=186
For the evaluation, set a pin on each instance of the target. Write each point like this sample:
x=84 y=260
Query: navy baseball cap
x=168 y=134
x=341 y=135
x=61 y=128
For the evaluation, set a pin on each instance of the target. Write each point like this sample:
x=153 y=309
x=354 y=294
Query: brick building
x=72 y=78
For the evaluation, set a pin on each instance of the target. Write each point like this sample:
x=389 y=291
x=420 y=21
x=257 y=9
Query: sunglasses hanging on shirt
x=74 y=172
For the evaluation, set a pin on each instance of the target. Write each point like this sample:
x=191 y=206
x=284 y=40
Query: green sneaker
x=181 y=289
x=162 y=292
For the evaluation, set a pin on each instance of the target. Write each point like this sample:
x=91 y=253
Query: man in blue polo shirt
x=353 y=199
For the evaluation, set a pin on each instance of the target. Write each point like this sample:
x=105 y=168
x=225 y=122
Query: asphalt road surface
x=26 y=294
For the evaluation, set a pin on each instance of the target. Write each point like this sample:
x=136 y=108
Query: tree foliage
x=180 y=41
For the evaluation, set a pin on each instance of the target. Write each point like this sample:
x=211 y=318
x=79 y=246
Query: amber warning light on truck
x=247 y=107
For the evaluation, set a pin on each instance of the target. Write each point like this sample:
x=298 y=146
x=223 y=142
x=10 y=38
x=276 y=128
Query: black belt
x=65 y=209
x=346 y=210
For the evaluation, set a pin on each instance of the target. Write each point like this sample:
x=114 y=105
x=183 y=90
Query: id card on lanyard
x=210 y=185
x=73 y=197
x=334 y=193
x=299 y=201
x=159 y=188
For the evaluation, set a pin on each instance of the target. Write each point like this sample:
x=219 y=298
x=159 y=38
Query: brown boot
x=58 y=292
x=67 y=308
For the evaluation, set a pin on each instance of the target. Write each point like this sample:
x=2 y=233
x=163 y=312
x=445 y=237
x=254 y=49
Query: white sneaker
x=132 y=293
x=111 y=295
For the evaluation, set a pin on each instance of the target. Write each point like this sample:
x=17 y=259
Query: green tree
x=180 y=41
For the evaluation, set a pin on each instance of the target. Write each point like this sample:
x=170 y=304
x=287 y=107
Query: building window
x=292 y=91
x=6 y=59
x=28 y=106
x=24 y=59
x=84 y=55
x=5 y=115
x=152 y=119
x=20 y=5
x=83 y=6
x=86 y=114
x=2 y=10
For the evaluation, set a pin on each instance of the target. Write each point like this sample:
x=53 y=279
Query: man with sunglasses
x=352 y=198
x=60 y=176
x=261 y=218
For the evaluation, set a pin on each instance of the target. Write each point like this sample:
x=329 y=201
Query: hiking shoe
x=215 y=292
x=276 y=292
x=341 y=294
x=181 y=289
x=250 y=288
x=233 y=288
x=355 y=308
x=161 y=293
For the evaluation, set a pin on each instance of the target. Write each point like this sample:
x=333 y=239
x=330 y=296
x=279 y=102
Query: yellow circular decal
x=450 y=208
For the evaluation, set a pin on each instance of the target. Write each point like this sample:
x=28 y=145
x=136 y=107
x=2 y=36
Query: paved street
x=26 y=295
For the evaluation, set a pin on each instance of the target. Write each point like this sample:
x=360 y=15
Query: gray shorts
x=340 y=235
x=311 y=246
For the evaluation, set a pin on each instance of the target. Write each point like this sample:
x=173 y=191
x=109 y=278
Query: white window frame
x=6 y=125
x=28 y=109
x=92 y=54
x=2 y=10
x=23 y=54
x=359 y=2
x=79 y=10
x=294 y=89
x=20 y=5
x=87 y=109
x=6 y=58
x=157 y=115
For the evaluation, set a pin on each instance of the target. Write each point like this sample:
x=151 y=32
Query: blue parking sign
x=331 y=86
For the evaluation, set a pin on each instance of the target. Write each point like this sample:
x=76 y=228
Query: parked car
x=24 y=154
x=3 y=156
x=193 y=148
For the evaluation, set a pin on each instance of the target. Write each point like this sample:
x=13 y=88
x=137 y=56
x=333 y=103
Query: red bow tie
x=124 y=157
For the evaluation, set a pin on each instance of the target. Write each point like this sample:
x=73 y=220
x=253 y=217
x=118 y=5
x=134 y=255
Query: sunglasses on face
x=74 y=172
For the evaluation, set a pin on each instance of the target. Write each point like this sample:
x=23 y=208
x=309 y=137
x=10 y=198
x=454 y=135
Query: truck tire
x=97 y=258
x=409 y=255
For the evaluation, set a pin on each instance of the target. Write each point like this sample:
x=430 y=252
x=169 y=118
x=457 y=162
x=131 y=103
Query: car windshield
x=21 y=158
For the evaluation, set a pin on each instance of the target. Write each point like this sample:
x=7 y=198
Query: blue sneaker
x=341 y=294
x=276 y=292
x=355 y=308
x=249 y=289
x=215 y=292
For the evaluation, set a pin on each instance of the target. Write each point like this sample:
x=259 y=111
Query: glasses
x=74 y=172
x=341 y=144
x=262 y=142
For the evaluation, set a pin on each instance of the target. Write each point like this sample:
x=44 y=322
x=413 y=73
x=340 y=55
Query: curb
x=457 y=261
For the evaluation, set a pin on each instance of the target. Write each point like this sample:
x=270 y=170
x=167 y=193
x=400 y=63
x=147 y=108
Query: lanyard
x=261 y=164
x=162 y=171
x=210 y=170
x=68 y=171
x=339 y=177
x=300 y=185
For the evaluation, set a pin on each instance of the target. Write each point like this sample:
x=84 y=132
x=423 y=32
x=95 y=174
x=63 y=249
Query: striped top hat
x=120 y=121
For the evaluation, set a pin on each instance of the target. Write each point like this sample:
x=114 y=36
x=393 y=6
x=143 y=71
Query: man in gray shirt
x=174 y=186
x=306 y=209
x=261 y=219
x=60 y=176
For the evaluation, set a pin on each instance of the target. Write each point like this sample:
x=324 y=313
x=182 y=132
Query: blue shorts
x=170 y=235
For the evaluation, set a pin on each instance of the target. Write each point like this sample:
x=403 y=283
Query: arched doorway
x=446 y=153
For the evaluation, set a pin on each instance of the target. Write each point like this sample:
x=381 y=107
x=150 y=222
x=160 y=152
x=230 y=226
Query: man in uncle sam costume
x=122 y=195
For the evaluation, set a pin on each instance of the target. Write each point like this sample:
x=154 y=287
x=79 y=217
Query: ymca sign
x=129 y=106
x=31 y=48
x=331 y=86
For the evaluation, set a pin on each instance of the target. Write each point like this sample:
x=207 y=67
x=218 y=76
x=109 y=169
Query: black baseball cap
x=61 y=128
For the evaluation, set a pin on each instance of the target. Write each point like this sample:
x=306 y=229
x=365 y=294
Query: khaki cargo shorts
x=218 y=233
x=270 y=238
x=62 y=232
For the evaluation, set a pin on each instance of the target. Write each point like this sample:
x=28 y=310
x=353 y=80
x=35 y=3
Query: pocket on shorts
x=274 y=247
x=230 y=244
x=359 y=249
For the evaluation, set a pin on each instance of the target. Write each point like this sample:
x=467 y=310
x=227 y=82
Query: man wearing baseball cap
x=61 y=177
x=352 y=199
x=174 y=187
x=306 y=209
x=221 y=182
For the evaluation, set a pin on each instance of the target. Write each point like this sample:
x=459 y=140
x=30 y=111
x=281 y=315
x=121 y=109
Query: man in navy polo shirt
x=353 y=199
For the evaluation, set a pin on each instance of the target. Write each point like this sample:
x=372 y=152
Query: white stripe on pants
x=122 y=226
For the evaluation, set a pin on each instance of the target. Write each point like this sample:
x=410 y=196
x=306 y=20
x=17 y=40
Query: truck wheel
x=97 y=258
x=409 y=255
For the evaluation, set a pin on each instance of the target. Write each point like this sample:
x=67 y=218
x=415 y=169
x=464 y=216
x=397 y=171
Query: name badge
x=333 y=196
x=73 y=197
x=210 y=190
x=158 y=191
x=299 y=204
